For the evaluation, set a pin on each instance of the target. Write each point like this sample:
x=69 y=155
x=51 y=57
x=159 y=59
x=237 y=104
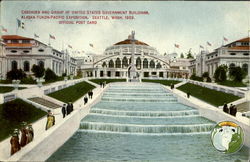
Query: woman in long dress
x=50 y=121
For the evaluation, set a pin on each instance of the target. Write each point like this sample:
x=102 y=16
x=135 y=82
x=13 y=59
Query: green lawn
x=4 y=89
x=25 y=112
x=164 y=82
x=232 y=84
x=98 y=81
x=213 y=97
x=72 y=93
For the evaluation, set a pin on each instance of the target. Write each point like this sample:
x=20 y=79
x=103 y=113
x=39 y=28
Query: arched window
x=118 y=63
x=104 y=64
x=111 y=64
x=138 y=63
x=245 y=67
x=152 y=64
x=124 y=62
x=14 y=65
x=158 y=66
x=145 y=63
x=26 y=66
x=232 y=65
x=41 y=64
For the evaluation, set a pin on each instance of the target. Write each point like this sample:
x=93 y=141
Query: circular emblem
x=227 y=137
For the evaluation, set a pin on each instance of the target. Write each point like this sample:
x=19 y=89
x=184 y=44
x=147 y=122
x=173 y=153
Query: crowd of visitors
x=67 y=109
x=27 y=135
x=232 y=109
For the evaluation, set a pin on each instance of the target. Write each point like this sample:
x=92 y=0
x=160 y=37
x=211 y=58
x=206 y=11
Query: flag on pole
x=225 y=39
x=4 y=29
x=91 y=45
x=70 y=46
x=201 y=47
x=36 y=36
x=177 y=45
x=209 y=44
x=20 y=24
x=52 y=37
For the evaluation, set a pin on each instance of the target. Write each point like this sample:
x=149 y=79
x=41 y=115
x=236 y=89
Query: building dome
x=128 y=41
x=125 y=46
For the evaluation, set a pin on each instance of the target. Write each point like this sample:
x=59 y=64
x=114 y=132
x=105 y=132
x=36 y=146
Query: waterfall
x=143 y=109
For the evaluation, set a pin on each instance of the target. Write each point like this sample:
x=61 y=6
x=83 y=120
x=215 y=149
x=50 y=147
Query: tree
x=79 y=73
x=16 y=74
x=50 y=75
x=189 y=55
x=38 y=71
x=220 y=74
x=182 y=56
x=237 y=74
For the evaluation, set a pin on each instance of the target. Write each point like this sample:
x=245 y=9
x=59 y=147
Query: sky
x=188 y=24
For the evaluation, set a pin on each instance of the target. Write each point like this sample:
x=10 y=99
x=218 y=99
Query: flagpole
x=49 y=40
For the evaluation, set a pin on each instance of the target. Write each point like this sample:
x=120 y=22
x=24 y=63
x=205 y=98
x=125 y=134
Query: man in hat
x=64 y=110
x=23 y=134
x=68 y=108
x=14 y=141
x=225 y=108
x=30 y=133
x=85 y=100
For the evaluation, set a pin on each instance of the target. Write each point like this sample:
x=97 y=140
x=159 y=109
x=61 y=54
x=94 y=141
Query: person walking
x=225 y=108
x=14 y=141
x=85 y=100
x=28 y=135
x=64 y=110
x=50 y=120
x=231 y=109
x=68 y=109
x=89 y=94
x=71 y=106
x=31 y=131
x=23 y=134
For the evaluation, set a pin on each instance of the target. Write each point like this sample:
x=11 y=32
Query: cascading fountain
x=142 y=121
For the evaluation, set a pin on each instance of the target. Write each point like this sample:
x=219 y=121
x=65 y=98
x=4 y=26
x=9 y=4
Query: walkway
x=39 y=129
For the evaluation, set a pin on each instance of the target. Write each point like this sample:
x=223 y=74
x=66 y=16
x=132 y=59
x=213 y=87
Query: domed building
x=116 y=61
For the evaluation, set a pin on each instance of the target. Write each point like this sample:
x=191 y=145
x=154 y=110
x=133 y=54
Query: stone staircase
x=44 y=102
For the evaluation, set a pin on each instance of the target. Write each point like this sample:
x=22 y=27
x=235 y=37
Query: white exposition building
x=233 y=54
x=116 y=61
x=19 y=52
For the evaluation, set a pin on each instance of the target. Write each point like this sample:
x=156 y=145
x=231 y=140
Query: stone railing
x=5 y=97
x=220 y=88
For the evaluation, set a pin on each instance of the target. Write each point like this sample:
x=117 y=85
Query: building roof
x=247 y=39
x=128 y=41
x=240 y=48
x=18 y=44
x=15 y=37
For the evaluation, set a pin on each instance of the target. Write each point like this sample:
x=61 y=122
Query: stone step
x=44 y=102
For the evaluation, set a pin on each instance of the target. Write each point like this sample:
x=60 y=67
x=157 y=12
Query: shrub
x=38 y=71
x=237 y=74
x=220 y=74
x=28 y=80
x=16 y=74
x=50 y=75
x=194 y=77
